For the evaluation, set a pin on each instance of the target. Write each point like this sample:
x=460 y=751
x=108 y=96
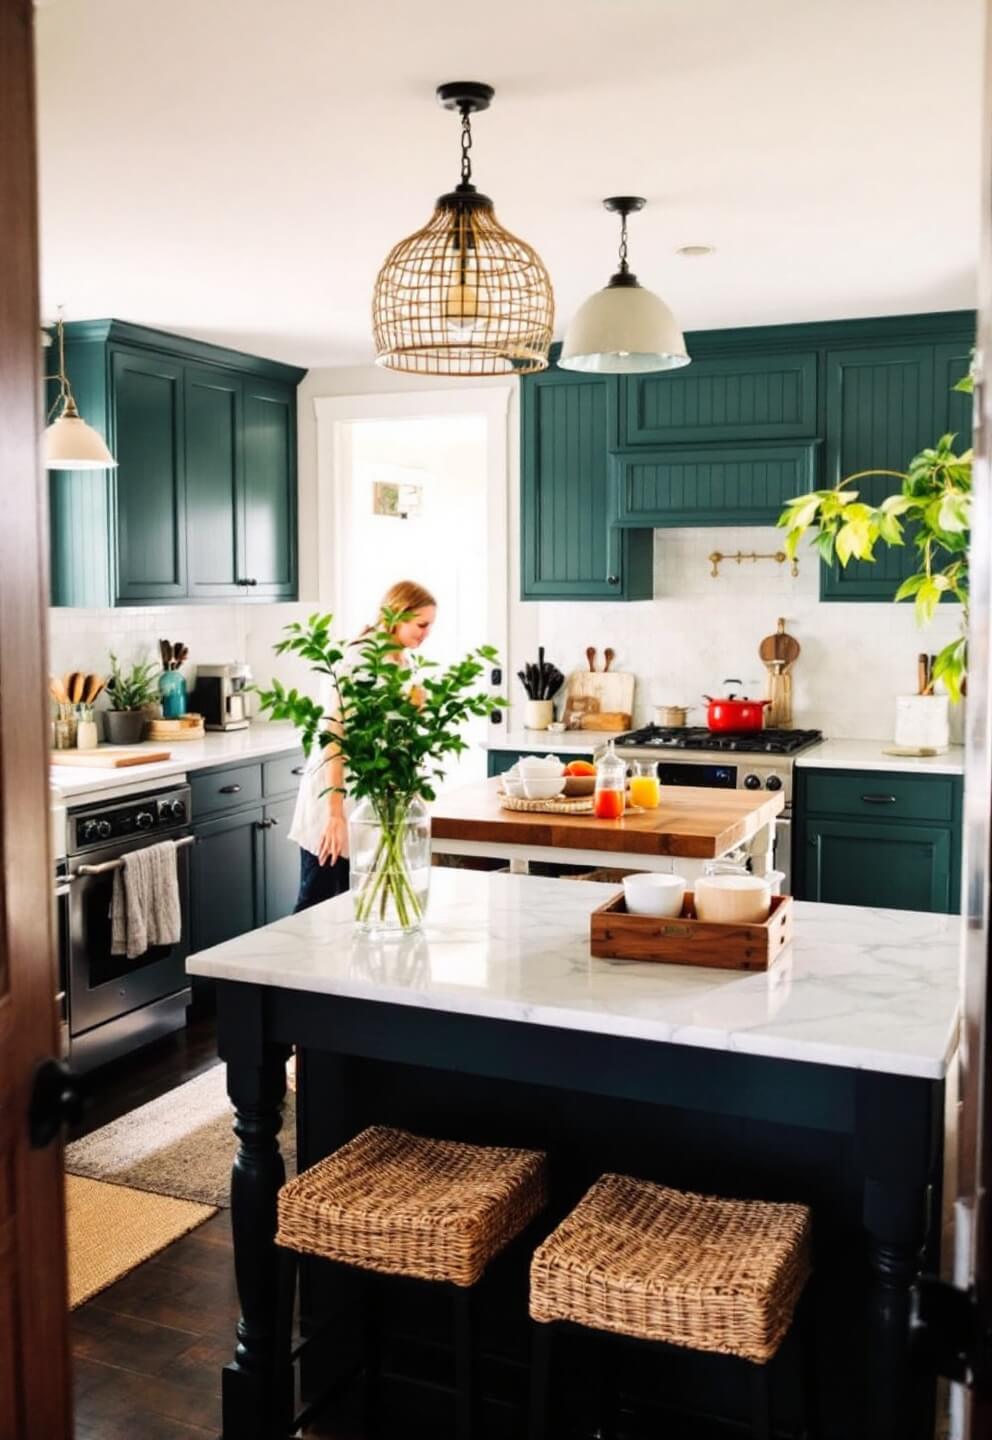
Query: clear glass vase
x=389 y=842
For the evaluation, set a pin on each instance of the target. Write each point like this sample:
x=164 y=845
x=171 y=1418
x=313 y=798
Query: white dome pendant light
x=623 y=329
x=71 y=444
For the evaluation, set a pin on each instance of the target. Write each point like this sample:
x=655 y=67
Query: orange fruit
x=579 y=767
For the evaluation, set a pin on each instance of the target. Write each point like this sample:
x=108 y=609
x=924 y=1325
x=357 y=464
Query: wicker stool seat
x=403 y=1204
x=658 y=1264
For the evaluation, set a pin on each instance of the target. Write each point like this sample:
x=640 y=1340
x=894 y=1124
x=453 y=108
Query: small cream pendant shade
x=71 y=444
x=623 y=330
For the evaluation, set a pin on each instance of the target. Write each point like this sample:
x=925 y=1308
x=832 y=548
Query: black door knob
x=56 y=1100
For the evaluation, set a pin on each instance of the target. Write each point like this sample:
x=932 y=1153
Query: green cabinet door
x=732 y=397
x=268 y=512
x=894 y=866
x=701 y=485
x=282 y=860
x=226 y=878
x=951 y=362
x=570 y=546
x=880 y=412
x=213 y=480
x=147 y=430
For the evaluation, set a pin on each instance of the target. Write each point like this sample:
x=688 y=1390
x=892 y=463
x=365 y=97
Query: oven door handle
x=109 y=865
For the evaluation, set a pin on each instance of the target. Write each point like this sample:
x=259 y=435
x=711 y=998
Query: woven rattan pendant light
x=463 y=296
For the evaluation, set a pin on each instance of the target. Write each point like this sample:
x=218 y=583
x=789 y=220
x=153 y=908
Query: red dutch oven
x=736 y=715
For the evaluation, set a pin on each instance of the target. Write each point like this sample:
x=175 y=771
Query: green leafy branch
x=400 y=715
x=932 y=509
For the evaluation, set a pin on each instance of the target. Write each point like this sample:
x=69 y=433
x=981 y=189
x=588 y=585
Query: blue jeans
x=320 y=882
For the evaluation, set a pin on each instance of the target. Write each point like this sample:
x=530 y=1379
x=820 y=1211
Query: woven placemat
x=558 y=806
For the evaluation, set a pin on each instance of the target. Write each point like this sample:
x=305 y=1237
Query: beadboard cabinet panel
x=729 y=485
x=571 y=548
x=745 y=397
x=151 y=480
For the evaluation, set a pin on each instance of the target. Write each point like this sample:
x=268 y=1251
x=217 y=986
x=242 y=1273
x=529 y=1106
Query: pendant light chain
x=624 y=267
x=466 y=146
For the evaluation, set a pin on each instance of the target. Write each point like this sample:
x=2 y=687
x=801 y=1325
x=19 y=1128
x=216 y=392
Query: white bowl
x=540 y=765
x=512 y=785
x=733 y=899
x=542 y=787
x=650 y=894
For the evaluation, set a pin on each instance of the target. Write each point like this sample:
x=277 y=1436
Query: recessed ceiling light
x=693 y=252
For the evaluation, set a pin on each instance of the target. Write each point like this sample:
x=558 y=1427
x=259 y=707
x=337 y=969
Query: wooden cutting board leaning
x=600 y=699
x=109 y=757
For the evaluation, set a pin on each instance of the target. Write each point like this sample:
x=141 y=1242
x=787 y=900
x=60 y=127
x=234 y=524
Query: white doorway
x=415 y=487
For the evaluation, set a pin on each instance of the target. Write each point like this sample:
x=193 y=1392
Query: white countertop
x=544 y=742
x=869 y=755
x=261 y=740
x=860 y=988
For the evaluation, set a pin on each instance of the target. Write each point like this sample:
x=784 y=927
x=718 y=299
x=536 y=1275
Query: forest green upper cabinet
x=730 y=397
x=570 y=546
x=202 y=505
x=726 y=485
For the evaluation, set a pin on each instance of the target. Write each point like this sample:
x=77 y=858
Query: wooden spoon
x=74 y=683
x=591 y=656
x=92 y=688
x=780 y=646
x=608 y=655
x=56 y=689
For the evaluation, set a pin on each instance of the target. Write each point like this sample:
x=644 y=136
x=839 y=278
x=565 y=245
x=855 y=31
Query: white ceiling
x=238 y=169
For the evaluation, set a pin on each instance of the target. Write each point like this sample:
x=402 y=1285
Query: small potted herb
x=129 y=692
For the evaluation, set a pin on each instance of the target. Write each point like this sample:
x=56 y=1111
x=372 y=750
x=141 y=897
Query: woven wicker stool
x=636 y=1259
x=391 y=1203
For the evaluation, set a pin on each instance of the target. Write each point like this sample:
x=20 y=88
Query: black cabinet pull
x=266 y=824
x=299 y=770
x=230 y=790
x=879 y=799
x=613 y=579
x=251 y=582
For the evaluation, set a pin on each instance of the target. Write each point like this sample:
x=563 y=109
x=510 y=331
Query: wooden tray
x=559 y=805
x=617 y=935
x=186 y=727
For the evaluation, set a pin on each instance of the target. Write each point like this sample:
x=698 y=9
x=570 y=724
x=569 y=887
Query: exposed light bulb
x=465 y=311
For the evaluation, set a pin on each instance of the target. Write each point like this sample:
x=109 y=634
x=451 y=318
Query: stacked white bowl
x=535 y=777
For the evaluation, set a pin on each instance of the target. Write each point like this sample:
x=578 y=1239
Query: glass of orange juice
x=645 y=791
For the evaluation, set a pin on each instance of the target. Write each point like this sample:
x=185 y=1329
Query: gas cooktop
x=697 y=737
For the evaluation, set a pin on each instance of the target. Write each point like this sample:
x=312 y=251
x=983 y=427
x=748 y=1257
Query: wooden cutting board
x=110 y=757
x=612 y=689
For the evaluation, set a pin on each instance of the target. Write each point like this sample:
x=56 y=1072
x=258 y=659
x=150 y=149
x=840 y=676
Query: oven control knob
x=144 y=819
x=774 y=782
x=752 y=782
x=88 y=832
x=178 y=809
x=104 y=829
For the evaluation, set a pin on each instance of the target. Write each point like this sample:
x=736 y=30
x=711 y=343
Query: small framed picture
x=403 y=502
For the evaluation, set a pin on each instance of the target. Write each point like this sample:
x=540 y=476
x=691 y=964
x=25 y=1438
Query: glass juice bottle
x=609 y=796
x=645 y=791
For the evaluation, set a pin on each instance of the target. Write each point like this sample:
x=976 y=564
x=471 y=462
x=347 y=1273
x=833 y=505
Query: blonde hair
x=404 y=596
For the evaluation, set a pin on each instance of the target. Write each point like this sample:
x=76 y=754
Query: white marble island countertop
x=859 y=988
x=260 y=741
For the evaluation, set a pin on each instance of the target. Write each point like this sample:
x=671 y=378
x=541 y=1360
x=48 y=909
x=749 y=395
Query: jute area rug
x=180 y=1145
x=111 y=1229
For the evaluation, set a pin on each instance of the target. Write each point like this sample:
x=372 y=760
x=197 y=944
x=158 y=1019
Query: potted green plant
x=934 y=501
x=129 y=692
x=400 y=720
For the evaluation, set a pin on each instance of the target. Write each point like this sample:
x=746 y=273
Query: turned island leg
x=256 y=1083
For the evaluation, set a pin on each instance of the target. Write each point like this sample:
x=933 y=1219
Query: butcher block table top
x=696 y=823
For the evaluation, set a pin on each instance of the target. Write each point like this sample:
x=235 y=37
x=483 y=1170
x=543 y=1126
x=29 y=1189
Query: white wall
x=698 y=630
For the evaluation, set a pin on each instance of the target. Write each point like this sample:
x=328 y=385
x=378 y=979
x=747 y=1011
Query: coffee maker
x=220 y=696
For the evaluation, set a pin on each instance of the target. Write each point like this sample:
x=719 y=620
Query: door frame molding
x=334 y=412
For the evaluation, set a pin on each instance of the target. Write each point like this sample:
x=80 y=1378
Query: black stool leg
x=284 y=1389
x=540 y=1379
x=761 y=1402
x=467 y=1407
x=371 y=1348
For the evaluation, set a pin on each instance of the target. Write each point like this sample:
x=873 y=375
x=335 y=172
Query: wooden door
x=213 y=425
x=269 y=507
x=34 y=1366
x=147 y=431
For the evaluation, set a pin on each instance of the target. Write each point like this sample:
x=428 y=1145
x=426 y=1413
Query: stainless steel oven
x=116 y=1004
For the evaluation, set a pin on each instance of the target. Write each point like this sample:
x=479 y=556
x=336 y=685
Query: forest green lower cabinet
x=896 y=857
x=244 y=872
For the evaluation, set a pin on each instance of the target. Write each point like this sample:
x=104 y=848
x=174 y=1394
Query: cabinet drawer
x=879 y=795
x=282 y=776
x=225 y=789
